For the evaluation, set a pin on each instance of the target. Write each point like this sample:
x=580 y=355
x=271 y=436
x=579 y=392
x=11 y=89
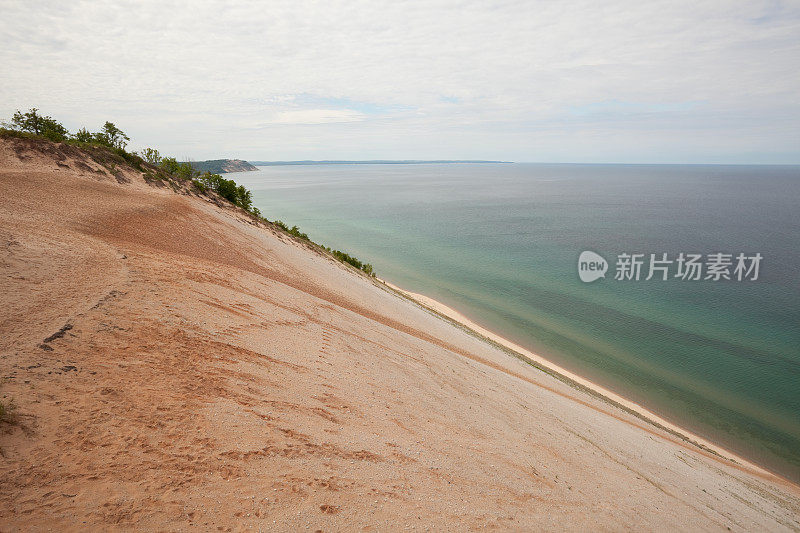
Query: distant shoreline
x=372 y=162
x=482 y=161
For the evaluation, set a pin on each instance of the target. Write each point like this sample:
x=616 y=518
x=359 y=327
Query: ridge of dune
x=177 y=364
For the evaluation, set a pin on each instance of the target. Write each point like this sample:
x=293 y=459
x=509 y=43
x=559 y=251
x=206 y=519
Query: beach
x=580 y=381
x=175 y=363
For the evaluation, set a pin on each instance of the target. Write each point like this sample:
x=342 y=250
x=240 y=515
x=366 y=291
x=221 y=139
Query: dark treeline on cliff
x=153 y=166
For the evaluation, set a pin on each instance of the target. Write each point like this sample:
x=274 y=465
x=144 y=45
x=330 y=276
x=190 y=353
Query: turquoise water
x=500 y=243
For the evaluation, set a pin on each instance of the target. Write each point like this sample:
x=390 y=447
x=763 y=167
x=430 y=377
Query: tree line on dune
x=155 y=167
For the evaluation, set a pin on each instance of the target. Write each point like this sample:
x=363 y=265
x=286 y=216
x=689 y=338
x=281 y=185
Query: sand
x=449 y=312
x=176 y=366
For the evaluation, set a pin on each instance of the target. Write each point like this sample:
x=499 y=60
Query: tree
x=152 y=156
x=83 y=135
x=245 y=197
x=227 y=189
x=185 y=171
x=112 y=136
x=170 y=165
x=33 y=122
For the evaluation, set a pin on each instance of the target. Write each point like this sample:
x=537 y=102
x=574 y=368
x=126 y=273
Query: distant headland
x=372 y=162
x=221 y=166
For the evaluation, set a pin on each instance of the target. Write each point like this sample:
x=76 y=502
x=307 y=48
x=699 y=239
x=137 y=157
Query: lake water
x=500 y=243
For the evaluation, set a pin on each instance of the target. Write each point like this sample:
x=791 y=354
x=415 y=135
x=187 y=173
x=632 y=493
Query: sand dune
x=176 y=365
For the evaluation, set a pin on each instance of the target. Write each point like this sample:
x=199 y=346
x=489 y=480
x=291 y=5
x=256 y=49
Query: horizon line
x=259 y=162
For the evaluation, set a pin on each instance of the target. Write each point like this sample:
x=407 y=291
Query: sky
x=557 y=81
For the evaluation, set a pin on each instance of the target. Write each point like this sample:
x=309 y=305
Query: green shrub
x=33 y=122
x=181 y=171
x=294 y=230
x=152 y=156
x=111 y=136
x=185 y=172
x=83 y=136
x=170 y=165
x=349 y=259
x=227 y=189
x=244 y=197
x=132 y=158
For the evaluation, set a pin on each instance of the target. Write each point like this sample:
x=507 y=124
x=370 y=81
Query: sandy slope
x=203 y=371
x=536 y=359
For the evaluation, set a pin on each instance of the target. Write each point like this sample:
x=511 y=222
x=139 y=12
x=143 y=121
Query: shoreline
x=645 y=414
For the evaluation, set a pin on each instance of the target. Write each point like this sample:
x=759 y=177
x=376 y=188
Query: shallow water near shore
x=500 y=243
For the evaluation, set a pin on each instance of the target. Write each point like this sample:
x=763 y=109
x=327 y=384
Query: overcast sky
x=565 y=81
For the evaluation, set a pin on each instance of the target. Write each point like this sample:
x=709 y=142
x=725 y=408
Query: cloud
x=511 y=80
x=317 y=116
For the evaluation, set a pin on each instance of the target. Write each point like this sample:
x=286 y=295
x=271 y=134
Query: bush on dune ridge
x=294 y=230
x=107 y=147
x=347 y=258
